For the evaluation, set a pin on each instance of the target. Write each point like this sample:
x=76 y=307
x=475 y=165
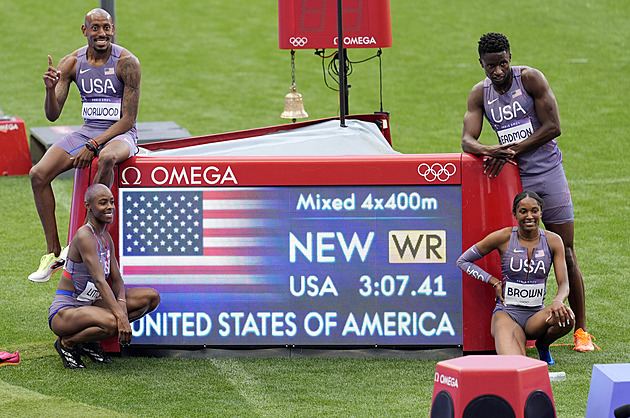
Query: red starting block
x=15 y=158
x=492 y=386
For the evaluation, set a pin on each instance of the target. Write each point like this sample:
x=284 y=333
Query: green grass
x=215 y=67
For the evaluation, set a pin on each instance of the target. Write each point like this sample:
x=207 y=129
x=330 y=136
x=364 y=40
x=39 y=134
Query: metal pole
x=110 y=7
x=343 y=93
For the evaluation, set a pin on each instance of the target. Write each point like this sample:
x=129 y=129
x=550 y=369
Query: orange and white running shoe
x=583 y=341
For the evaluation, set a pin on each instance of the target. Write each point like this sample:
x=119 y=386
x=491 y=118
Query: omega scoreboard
x=312 y=24
x=346 y=251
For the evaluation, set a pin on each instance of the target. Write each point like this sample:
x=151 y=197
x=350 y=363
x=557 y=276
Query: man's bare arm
x=537 y=86
x=497 y=155
x=57 y=82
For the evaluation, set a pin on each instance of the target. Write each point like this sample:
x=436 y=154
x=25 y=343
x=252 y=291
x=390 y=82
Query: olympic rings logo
x=436 y=171
x=298 y=41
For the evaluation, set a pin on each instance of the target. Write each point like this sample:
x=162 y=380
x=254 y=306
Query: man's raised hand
x=52 y=75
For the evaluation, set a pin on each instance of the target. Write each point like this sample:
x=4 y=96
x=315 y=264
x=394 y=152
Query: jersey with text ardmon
x=101 y=90
x=523 y=271
x=513 y=117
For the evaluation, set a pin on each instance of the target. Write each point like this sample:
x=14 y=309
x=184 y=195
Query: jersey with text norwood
x=101 y=90
x=513 y=117
x=525 y=276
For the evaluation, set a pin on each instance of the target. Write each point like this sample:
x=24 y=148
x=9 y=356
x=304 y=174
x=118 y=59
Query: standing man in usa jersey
x=108 y=78
x=522 y=109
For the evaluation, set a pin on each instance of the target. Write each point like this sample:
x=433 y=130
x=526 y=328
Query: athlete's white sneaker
x=48 y=265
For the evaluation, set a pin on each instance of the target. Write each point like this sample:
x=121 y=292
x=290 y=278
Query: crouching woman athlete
x=86 y=309
x=527 y=253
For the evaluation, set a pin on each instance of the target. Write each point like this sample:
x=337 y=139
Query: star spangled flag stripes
x=192 y=232
x=163 y=223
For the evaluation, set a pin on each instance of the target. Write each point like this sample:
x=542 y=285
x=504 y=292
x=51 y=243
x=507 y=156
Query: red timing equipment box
x=15 y=158
x=312 y=24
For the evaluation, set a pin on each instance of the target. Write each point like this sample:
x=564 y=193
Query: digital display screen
x=295 y=265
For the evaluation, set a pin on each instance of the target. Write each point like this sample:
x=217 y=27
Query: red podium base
x=15 y=158
x=492 y=386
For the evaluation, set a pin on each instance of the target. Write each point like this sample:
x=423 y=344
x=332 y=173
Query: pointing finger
x=50 y=62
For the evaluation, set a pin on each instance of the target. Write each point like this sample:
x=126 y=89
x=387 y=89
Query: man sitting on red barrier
x=108 y=78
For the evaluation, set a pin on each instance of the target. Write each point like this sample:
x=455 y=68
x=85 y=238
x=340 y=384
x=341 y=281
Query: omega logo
x=124 y=175
x=192 y=175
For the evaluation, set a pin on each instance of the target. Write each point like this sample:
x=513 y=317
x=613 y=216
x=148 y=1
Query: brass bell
x=293 y=106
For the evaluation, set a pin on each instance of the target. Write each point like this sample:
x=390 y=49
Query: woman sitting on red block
x=527 y=254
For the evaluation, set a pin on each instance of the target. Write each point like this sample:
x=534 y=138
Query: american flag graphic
x=202 y=237
x=516 y=93
x=109 y=71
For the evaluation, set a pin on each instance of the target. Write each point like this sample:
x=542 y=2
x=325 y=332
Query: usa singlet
x=85 y=290
x=513 y=117
x=525 y=276
x=101 y=90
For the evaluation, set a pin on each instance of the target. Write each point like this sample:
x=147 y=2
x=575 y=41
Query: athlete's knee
x=560 y=330
x=154 y=300
x=106 y=162
x=37 y=176
x=109 y=325
x=34 y=175
x=506 y=330
x=149 y=300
